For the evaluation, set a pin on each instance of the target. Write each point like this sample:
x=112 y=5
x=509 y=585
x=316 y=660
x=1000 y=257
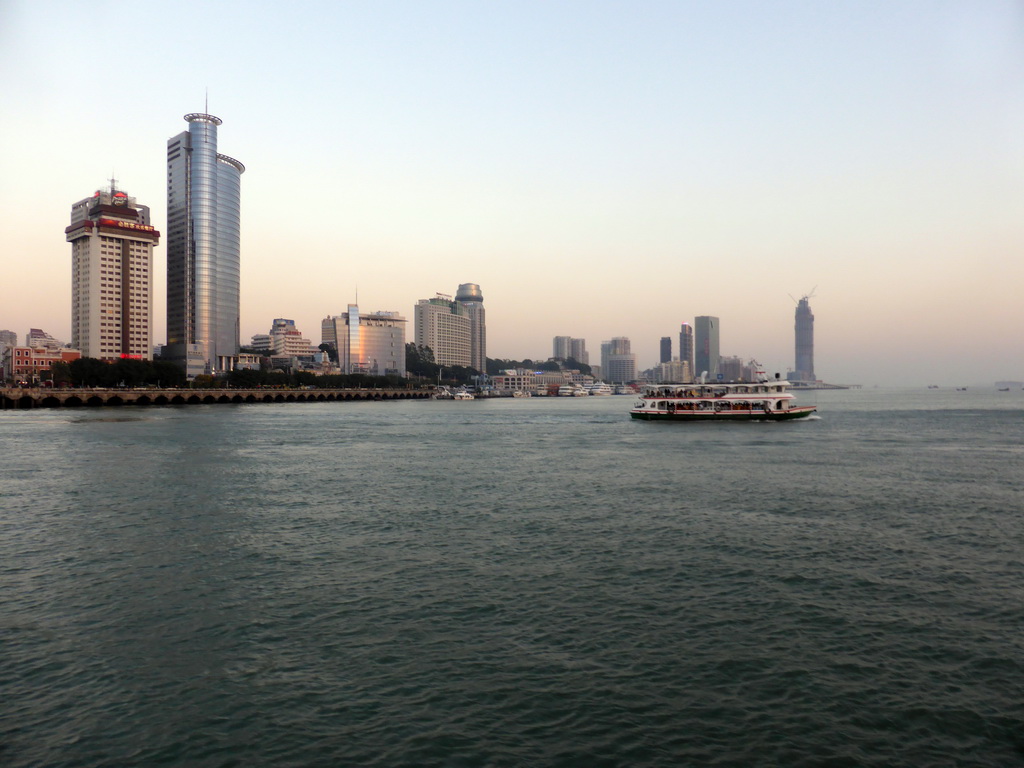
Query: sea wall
x=33 y=397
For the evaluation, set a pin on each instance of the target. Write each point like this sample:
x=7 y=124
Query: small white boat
x=601 y=389
x=464 y=395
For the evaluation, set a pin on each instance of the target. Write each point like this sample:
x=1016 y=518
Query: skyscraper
x=618 y=364
x=472 y=299
x=578 y=351
x=111 y=276
x=706 y=353
x=444 y=326
x=666 y=349
x=804 y=330
x=686 y=345
x=560 y=347
x=203 y=249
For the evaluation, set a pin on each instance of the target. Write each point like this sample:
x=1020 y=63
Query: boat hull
x=796 y=412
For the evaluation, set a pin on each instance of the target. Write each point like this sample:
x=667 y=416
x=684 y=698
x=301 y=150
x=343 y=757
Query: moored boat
x=740 y=401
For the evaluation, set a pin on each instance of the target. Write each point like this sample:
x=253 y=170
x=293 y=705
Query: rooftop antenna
x=805 y=296
x=113 y=183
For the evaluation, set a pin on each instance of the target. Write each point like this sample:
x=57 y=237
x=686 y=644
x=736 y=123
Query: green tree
x=166 y=374
x=130 y=373
x=331 y=350
x=573 y=363
x=245 y=378
x=60 y=372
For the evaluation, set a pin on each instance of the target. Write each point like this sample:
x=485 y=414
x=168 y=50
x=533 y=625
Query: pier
x=33 y=397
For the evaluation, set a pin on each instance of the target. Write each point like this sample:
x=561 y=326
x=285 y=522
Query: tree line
x=90 y=372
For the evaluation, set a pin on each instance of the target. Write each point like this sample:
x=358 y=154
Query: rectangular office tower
x=203 y=249
x=444 y=326
x=111 y=276
x=706 y=352
x=560 y=347
x=686 y=345
x=372 y=343
x=666 y=349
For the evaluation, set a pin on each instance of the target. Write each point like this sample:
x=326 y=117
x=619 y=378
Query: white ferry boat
x=601 y=389
x=740 y=401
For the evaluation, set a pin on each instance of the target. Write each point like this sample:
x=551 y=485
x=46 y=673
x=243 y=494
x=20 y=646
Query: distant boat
x=933 y=386
x=1005 y=389
x=961 y=389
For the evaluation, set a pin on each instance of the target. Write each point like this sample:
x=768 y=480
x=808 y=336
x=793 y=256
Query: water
x=514 y=583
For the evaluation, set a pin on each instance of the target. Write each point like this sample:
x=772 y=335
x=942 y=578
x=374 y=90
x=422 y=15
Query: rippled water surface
x=534 y=582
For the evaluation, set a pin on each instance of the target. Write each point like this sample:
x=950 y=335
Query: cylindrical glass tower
x=203 y=249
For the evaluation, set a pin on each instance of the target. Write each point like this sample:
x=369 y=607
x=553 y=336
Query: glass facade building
x=472 y=299
x=686 y=345
x=372 y=343
x=707 y=346
x=804 y=332
x=203 y=249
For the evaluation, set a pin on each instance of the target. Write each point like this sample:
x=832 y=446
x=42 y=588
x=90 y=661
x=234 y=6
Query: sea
x=514 y=582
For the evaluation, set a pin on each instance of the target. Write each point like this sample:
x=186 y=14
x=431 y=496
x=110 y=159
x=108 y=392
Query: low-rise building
x=27 y=364
x=523 y=380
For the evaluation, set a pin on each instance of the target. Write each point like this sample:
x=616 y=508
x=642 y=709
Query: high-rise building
x=444 y=326
x=560 y=347
x=706 y=351
x=578 y=351
x=203 y=249
x=111 y=276
x=568 y=348
x=804 y=330
x=618 y=364
x=686 y=345
x=373 y=343
x=666 y=349
x=472 y=299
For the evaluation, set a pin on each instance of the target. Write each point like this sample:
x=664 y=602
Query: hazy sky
x=600 y=169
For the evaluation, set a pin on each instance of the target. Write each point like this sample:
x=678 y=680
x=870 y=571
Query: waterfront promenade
x=33 y=397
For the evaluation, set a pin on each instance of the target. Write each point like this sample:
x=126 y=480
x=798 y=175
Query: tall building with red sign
x=111 y=276
x=203 y=249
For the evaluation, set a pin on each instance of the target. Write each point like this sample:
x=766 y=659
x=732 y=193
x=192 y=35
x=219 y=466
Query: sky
x=600 y=169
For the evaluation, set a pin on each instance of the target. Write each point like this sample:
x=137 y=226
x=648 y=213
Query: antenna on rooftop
x=804 y=297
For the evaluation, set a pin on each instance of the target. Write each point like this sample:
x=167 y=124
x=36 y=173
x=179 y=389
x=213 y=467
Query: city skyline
x=673 y=161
